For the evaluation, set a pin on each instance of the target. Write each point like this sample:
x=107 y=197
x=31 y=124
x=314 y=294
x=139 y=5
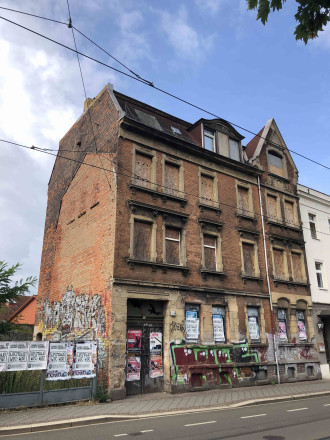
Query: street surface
x=307 y=419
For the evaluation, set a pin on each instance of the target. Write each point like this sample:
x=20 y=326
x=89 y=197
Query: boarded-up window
x=210 y=252
x=272 y=207
x=172 y=173
x=142 y=240
x=173 y=245
x=275 y=162
x=248 y=258
x=297 y=266
x=279 y=263
x=207 y=185
x=143 y=165
x=289 y=212
x=243 y=200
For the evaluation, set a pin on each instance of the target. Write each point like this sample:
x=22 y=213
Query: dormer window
x=275 y=161
x=209 y=140
x=234 y=150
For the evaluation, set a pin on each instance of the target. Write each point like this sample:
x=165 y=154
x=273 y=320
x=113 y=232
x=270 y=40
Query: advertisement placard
x=282 y=330
x=17 y=356
x=218 y=328
x=84 y=364
x=156 y=342
x=253 y=328
x=156 y=366
x=192 y=325
x=133 y=368
x=38 y=355
x=3 y=355
x=60 y=361
x=134 y=340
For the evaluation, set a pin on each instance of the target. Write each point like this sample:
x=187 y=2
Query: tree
x=8 y=291
x=312 y=15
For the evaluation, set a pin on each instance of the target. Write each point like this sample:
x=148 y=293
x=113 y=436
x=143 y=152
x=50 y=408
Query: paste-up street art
x=76 y=315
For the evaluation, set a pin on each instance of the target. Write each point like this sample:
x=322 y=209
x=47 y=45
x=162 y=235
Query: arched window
x=275 y=161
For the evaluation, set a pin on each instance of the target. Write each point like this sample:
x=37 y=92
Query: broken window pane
x=142 y=240
x=172 y=239
x=142 y=169
x=248 y=257
x=172 y=173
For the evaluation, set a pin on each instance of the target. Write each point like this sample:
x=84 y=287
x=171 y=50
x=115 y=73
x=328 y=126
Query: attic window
x=209 y=140
x=149 y=120
x=275 y=161
x=175 y=130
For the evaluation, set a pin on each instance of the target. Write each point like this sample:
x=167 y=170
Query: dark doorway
x=144 y=347
x=326 y=336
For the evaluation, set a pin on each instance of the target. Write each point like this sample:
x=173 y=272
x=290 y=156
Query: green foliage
x=8 y=291
x=312 y=15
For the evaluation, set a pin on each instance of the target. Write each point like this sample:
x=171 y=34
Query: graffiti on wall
x=81 y=315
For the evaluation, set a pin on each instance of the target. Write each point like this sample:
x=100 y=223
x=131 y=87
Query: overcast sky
x=211 y=52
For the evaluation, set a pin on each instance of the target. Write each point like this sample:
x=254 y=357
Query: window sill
x=246 y=278
x=243 y=216
x=275 y=222
x=203 y=206
x=293 y=227
x=290 y=283
x=206 y=272
x=163 y=266
x=277 y=176
x=155 y=194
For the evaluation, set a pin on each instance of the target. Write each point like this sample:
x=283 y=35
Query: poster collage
x=61 y=360
x=134 y=346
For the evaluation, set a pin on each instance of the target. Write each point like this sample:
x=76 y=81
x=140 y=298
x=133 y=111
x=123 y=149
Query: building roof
x=12 y=309
x=251 y=147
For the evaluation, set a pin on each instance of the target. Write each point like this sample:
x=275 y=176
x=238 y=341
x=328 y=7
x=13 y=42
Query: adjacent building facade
x=179 y=249
x=315 y=213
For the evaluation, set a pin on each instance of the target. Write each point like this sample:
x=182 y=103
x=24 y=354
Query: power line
x=33 y=15
x=139 y=178
x=165 y=92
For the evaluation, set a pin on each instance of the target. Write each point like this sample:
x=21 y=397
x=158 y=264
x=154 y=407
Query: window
x=249 y=259
x=243 y=201
x=282 y=324
x=172 y=178
x=289 y=209
x=172 y=245
x=142 y=240
x=280 y=271
x=329 y=224
x=272 y=207
x=219 y=323
x=209 y=140
x=192 y=320
x=319 y=276
x=275 y=162
x=300 y=315
x=208 y=195
x=210 y=252
x=253 y=321
x=297 y=267
x=175 y=130
x=234 y=150
x=312 y=225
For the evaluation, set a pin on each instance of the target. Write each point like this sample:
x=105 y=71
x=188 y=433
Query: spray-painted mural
x=76 y=315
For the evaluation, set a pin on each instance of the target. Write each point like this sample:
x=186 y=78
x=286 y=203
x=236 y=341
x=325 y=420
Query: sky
x=212 y=53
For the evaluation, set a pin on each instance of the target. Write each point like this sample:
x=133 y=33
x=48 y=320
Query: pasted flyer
x=38 y=355
x=3 y=355
x=17 y=356
x=133 y=368
x=156 y=342
x=85 y=358
x=60 y=361
x=156 y=366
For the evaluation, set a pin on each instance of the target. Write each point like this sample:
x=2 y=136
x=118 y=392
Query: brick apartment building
x=157 y=250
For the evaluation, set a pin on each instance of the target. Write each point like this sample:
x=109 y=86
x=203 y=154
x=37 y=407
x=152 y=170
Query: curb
x=72 y=423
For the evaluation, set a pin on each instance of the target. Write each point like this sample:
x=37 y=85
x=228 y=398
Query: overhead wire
x=139 y=79
x=34 y=148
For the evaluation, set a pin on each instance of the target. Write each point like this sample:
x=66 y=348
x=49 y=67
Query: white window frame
x=312 y=220
x=211 y=135
x=178 y=240
x=321 y=271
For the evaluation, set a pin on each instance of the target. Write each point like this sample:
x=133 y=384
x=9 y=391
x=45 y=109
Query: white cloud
x=211 y=6
x=183 y=37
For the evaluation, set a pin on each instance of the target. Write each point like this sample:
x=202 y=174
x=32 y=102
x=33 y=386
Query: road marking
x=327 y=404
x=297 y=409
x=201 y=423
x=119 y=435
x=256 y=415
x=147 y=430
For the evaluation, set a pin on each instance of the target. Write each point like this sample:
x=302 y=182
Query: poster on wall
x=38 y=355
x=301 y=330
x=3 y=355
x=17 y=356
x=218 y=328
x=60 y=361
x=156 y=342
x=85 y=359
x=282 y=330
x=156 y=366
x=134 y=339
x=192 y=325
x=133 y=368
x=253 y=328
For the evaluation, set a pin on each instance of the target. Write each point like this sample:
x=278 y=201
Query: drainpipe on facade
x=268 y=282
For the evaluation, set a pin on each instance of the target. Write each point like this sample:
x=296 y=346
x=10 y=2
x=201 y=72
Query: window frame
x=210 y=135
x=238 y=149
x=224 y=314
x=138 y=149
x=247 y=187
x=214 y=203
x=218 y=250
x=295 y=212
x=285 y=262
x=182 y=242
x=153 y=250
x=255 y=256
x=304 y=322
x=278 y=217
x=314 y=222
x=322 y=273
x=273 y=168
x=189 y=307
x=285 y=320
x=302 y=263
x=178 y=163
x=257 y=322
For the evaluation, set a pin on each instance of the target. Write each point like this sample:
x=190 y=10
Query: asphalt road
x=307 y=419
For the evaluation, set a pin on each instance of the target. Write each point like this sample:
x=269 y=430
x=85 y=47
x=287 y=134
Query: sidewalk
x=34 y=419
